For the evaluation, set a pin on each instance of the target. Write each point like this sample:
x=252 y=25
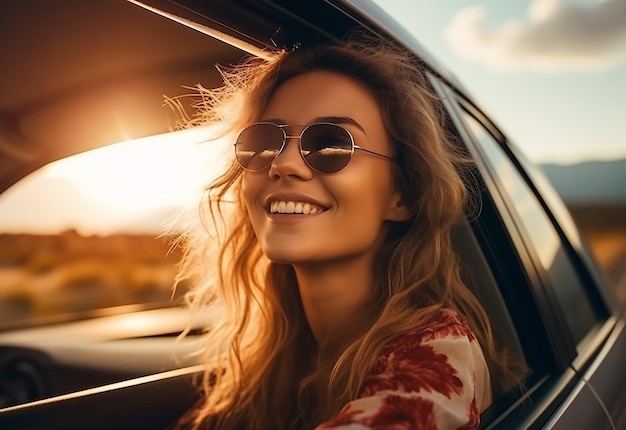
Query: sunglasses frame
x=299 y=137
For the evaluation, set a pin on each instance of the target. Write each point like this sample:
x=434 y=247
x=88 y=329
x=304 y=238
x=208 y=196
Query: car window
x=88 y=232
x=544 y=240
x=84 y=232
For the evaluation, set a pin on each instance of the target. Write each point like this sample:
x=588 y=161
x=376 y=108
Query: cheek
x=368 y=197
x=380 y=183
x=250 y=189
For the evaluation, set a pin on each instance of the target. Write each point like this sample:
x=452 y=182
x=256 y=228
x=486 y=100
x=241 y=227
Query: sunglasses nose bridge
x=291 y=137
x=285 y=154
x=287 y=137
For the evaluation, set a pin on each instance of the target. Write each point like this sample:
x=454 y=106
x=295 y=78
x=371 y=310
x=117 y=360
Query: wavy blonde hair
x=265 y=368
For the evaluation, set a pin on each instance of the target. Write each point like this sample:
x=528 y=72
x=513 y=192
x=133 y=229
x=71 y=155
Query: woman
x=342 y=297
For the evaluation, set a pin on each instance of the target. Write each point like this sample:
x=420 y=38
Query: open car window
x=90 y=169
x=94 y=230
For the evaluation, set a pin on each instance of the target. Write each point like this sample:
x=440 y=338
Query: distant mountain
x=590 y=182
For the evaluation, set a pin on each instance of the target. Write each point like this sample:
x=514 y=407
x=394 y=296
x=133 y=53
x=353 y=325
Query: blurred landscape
x=595 y=194
x=47 y=276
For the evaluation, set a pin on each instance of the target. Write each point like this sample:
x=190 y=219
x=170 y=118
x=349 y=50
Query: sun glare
x=135 y=175
x=96 y=190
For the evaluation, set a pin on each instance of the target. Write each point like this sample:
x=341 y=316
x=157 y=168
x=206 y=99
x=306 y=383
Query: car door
x=570 y=333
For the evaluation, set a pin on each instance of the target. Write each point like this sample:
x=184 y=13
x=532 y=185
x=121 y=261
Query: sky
x=550 y=73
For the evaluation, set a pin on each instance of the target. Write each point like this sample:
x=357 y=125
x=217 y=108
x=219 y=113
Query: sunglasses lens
x=326 y=147
x=258 y=145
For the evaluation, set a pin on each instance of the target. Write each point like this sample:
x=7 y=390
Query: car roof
x=78 y=75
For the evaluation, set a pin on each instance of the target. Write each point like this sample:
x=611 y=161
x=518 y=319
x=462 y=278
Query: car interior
x=87 y=74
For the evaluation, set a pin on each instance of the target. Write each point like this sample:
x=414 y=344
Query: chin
x=284 y=258
x=288 y=255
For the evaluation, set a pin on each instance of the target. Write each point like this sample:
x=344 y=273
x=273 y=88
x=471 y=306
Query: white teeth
x=291 y=207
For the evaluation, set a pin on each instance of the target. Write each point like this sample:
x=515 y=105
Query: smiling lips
x=290 y=207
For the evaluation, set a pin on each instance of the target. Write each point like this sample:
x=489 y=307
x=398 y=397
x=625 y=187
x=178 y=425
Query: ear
x=398 y=211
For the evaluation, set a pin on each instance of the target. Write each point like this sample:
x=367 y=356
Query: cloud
x=555 y=37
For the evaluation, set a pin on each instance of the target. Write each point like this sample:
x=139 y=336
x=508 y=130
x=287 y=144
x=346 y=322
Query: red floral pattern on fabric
x=414 y=367
x=446 y=323
x=474 y=418
x=415 y=386
x=395 y=413
x=401 y=413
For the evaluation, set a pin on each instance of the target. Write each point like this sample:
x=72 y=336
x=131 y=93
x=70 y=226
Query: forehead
x=322 y=94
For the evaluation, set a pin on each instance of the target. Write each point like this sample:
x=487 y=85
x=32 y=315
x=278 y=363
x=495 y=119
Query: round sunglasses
x=325 y=147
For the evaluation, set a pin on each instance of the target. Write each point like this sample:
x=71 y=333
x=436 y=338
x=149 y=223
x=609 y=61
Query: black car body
x=524 y=257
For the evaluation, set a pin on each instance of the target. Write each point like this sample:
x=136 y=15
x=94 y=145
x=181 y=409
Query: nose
x=289 y=162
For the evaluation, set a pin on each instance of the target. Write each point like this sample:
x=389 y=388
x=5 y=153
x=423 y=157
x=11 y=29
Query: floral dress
x=434 y=377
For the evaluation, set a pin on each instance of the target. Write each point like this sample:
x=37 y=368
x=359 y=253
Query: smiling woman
x=342 y=294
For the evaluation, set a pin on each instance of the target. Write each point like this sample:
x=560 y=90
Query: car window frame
x=592 y=286
x=550 y=385
x=562 y=348
x=561 y=278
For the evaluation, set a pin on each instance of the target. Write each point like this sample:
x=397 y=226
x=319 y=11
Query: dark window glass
x=545 y=240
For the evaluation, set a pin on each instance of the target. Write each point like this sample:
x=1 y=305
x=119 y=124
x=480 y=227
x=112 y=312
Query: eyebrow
x=331 y=119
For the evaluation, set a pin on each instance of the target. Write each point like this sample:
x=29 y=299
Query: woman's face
x=302 y=216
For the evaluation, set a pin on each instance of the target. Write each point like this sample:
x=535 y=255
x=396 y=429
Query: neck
x=335 y=295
